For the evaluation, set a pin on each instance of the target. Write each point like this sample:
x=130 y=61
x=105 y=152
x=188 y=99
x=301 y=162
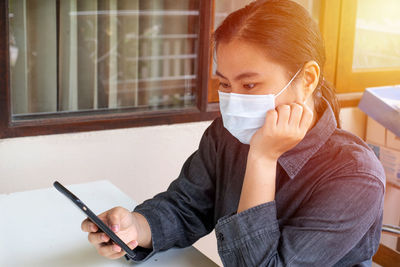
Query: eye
x=224 y=85
x=249 y=85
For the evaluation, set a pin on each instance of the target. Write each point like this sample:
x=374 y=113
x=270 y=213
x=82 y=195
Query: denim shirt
x=327 y=209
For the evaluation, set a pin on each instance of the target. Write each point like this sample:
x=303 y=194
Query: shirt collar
x=294 y=160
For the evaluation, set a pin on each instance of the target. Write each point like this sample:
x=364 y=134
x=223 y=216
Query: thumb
x=114 y=217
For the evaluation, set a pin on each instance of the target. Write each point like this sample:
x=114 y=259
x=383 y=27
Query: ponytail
x=326 y=90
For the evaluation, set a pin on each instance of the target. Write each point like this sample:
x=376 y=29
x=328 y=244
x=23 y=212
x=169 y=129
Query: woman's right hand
x=131 y=227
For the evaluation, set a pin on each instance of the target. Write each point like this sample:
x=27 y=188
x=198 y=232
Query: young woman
x=276 y=177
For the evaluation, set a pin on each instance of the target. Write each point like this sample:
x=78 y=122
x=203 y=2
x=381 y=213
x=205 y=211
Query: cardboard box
x=390 y=160
x=383 y=105
x=391 y=214
x=375 y=132
x=392 y=141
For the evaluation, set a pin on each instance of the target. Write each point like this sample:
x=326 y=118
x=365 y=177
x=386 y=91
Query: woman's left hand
x=284 y=128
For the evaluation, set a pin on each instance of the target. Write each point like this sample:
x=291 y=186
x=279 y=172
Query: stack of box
x=382 y=105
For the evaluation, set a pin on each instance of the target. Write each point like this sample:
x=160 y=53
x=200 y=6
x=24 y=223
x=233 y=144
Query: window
x=97 y=64
x=368 y=50
x=377 y=37
x=91 y=55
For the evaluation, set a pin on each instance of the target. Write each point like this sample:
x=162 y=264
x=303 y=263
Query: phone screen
x=130 y=254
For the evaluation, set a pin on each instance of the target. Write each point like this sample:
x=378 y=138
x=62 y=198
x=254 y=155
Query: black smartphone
x=130 y=254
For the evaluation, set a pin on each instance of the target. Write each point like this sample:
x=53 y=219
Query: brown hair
x=290 y=36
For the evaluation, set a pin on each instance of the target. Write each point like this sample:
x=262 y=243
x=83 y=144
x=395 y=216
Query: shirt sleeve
x=321 y=232
x=184 y=213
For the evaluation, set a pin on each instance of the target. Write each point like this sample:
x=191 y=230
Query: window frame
x=68 y=122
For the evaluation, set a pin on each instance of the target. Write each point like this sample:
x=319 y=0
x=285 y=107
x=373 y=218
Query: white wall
x=140 y=161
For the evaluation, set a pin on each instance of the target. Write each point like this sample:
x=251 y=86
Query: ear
x=311 y=73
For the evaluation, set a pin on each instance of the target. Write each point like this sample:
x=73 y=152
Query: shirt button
x=220 y=237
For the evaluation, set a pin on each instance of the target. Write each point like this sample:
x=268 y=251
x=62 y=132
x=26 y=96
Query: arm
x=324 y=230
x=284 y=128
x=144 y=232
x=184 y=213
x=258 y=184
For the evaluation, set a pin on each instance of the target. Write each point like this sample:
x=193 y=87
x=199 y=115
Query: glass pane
x=224 y=7
x=377 y=38
x=75 y=55
x=313 y=7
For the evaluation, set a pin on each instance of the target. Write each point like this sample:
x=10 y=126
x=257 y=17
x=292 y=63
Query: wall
x=140 y=161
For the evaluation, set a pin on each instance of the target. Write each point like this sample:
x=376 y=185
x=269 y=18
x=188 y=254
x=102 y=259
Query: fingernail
x=114 y=228
x=93 y=228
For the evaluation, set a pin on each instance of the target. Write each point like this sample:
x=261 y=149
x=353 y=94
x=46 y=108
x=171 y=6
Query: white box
x=383 y=105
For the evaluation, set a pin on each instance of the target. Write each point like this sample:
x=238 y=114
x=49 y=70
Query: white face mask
x=244 y=114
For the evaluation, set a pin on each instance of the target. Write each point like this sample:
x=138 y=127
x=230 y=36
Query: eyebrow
x=240 y=76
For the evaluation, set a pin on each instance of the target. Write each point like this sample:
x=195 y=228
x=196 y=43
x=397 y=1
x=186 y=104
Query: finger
x=106 y=250
x=88 y=226
x=296 y=114
x=132 y=245
x=118 y=252
x=117 y=255
x=110 y=249
x=271 y=119
x=307 y=118
x=283 y=115
x=98 y=238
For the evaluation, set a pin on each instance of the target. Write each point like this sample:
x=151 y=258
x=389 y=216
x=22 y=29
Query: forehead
x=235 y=56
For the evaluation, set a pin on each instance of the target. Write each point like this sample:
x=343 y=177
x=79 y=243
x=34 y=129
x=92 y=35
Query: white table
x=42 y=228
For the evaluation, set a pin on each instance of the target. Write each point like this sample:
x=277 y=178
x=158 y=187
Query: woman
x=276 y=177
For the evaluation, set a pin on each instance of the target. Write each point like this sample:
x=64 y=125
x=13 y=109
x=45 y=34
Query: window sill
x=95 y=121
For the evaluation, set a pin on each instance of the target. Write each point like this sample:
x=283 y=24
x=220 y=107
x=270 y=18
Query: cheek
x=291 y=95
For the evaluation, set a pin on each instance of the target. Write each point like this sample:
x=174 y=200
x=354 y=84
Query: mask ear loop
x=284 y=88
